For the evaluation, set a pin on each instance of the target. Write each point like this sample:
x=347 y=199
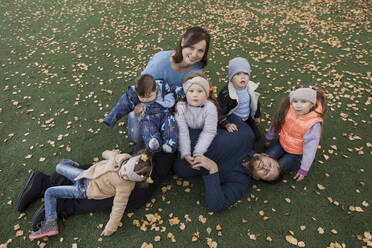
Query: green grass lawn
x=64 y=65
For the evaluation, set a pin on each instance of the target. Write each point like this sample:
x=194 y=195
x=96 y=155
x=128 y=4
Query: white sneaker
x=167 y=148
x=154 y=144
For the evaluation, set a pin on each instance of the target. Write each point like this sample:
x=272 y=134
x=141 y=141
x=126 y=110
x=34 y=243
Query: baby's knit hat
x=303 y=93
x=199 y=81
x=237 y=65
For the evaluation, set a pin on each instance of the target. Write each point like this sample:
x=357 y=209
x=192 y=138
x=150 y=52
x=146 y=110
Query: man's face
x=266 y=168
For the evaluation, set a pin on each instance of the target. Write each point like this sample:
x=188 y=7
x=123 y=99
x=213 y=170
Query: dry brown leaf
x=290 y=239
x=320 y=187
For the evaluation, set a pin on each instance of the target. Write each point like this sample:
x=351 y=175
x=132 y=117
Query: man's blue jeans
x=290 y=162
x=76 y=191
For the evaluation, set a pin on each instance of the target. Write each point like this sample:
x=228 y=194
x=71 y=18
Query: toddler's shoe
x=47 y=228
x=154 y=144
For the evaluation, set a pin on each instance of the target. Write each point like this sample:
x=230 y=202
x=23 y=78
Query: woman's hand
x=299 y=177
x=231 y=127
x=202 y=161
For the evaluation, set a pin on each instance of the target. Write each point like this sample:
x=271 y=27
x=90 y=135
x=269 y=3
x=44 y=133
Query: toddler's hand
x=106 y=233
x=299 y=177
x=189 y=159
x=231 y=127
x=257 y=120
x=139 y=109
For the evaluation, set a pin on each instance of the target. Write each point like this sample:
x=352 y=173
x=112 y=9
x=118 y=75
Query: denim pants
x=133 y=127
x=290 y=162
x=75 y=191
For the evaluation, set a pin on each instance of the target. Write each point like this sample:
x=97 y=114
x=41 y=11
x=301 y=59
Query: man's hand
x=202 y=161
x=231 y=127
x=257 y=120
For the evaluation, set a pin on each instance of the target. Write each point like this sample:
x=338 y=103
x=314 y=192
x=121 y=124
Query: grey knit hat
x=237 y=65
x=303 y=93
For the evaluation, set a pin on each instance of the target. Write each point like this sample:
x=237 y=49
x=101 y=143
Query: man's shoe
x=32 y=190
x=47 y=228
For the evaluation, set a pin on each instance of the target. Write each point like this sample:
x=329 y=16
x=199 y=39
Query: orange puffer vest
x=295 y=127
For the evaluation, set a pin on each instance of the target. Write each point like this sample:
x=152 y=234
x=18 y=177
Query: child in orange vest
x=299 y=123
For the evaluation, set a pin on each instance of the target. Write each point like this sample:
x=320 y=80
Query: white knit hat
x=199 y=81
x=127 y=170
x=303 y=93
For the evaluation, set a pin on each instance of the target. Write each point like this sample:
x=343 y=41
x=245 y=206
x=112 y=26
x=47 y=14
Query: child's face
x=149 y=98
x=240 y=80
x=301 y=106
x=193 y=53
x=196 y=95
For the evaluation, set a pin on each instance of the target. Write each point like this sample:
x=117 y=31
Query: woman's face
x=193 y=53
x=266 y=168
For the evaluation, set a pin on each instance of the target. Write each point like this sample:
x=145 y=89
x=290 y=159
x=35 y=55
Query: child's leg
x=76 y=191
x=275 y=150
x=169 y=130
x=133 y=127
x=67 y=169
x=290 y=162
x=150 y=132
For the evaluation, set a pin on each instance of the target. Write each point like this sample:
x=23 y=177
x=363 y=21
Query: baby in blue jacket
x=151 y=100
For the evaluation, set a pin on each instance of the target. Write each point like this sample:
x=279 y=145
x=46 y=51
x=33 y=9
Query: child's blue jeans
x=76 y=191
x=290 y=162
x=133 y=127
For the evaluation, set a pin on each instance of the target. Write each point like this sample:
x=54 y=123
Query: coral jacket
x=295 y=127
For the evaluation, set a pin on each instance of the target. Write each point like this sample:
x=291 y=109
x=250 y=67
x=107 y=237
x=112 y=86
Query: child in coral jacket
x=299 y=122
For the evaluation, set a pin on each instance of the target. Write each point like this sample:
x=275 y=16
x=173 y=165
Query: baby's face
x=149 y=98
x=240 y=80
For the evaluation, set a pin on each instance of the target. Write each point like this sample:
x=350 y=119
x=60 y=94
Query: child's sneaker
x=47 y=228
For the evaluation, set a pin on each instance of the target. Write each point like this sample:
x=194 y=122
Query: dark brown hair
x=145 y=85
x=192 y=36
x=143 y=168
x=280 y=114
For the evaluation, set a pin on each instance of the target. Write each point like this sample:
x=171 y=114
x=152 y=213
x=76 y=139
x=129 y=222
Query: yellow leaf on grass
x=301 y=244
x=19 y=233
x=290 y=239
x=320 y=187
x=174 y=221
x=287 y=200
x=320 y=230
